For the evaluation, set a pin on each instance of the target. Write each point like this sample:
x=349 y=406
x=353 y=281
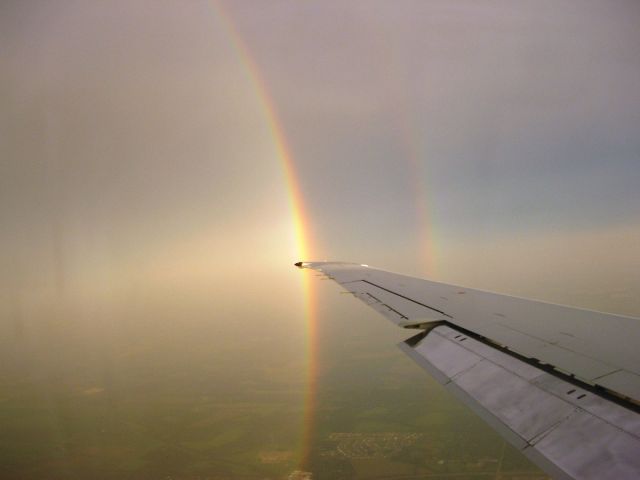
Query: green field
x=187 y=401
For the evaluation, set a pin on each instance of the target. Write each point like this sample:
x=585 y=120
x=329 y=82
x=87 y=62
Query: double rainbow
x=412 y=152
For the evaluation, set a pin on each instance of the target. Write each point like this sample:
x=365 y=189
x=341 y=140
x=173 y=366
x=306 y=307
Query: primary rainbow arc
x=299 y=220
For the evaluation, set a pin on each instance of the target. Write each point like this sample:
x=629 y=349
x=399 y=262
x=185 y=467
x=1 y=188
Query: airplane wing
x=561 y=384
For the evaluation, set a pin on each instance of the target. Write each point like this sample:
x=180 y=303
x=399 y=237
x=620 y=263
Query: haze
x=152 y=322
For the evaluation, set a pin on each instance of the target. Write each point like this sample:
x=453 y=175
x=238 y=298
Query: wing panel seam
x=402 y=296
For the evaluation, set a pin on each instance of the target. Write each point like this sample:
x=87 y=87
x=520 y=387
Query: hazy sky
x=491 y=143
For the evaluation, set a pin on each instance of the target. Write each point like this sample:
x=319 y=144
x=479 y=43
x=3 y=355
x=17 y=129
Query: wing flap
x=568 y=431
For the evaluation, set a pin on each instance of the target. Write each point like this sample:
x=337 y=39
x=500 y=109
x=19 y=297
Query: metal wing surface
x=562 y=384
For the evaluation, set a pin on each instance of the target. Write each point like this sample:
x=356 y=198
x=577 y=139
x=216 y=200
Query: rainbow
x=409 y=142
x=300 y=225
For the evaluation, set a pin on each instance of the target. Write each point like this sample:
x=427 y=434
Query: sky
x=142 y=157
x=425 y=137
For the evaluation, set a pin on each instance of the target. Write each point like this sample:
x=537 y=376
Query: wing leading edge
x=561 y=384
